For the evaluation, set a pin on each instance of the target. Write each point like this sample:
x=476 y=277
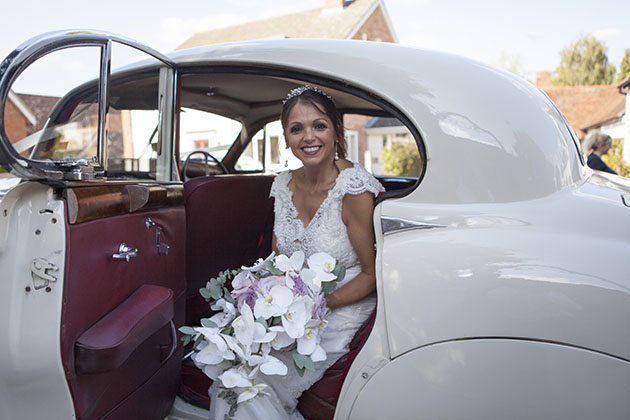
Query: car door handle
x=125 y=252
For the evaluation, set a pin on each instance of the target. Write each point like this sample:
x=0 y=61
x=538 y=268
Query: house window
x=200 y=144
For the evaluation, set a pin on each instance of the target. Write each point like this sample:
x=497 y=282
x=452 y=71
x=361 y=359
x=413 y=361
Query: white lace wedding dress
x=326 y=232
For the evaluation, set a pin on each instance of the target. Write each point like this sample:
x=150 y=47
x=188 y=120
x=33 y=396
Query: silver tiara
x=300 y=90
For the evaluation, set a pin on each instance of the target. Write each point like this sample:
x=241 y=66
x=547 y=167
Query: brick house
x=592 y=108
x=337 y=19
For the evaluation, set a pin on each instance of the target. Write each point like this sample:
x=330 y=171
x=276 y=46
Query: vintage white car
x=503 y=262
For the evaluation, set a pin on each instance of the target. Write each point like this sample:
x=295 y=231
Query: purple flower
x=244 y=282
x=247 y=297
x=299 y=288
x=320 y=309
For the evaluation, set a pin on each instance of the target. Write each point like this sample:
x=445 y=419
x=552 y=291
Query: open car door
x=92 y=241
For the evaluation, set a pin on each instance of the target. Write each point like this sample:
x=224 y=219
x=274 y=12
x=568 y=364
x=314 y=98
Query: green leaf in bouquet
x=300 y=371
x=272 y=268
x=329 y=286
x=205 y=292
x=198 y=341
x=339 y=271
x=276 y=320
x=227 y=296
x=186 y=339
x=216 y=290
x=228 y=330
x=208 y=323
x=309 y=364
x=262 y=321
x=187 y=330
x=299 y=359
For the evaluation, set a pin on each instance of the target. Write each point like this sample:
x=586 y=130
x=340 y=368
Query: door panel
x=99 y=290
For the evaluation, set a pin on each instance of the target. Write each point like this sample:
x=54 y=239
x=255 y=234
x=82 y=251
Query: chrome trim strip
x=391 y=225
x=103 y=104
x=626 y=199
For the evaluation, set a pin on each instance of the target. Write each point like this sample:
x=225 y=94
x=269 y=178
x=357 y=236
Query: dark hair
x=326 y=106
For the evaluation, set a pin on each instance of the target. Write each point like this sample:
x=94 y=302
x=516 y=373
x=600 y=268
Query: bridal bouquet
x=277 y=304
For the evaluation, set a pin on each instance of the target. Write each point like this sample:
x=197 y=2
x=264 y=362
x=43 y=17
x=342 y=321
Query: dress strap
x=356 y=180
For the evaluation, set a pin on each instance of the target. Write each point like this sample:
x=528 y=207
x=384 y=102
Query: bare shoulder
x=343 y=164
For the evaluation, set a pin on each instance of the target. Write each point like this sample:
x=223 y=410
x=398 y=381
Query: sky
x=523 y=36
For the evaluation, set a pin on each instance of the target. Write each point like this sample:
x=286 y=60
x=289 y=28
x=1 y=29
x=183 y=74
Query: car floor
x=183 y=411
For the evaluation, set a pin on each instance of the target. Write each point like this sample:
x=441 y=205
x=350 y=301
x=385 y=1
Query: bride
x=325 y=206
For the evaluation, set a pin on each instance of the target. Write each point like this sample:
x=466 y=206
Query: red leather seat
x=229 y=222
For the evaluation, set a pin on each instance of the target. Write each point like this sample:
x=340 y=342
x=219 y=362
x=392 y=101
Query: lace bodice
x=326 y=232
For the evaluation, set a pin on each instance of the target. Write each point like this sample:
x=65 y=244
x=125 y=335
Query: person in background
x=597 y=145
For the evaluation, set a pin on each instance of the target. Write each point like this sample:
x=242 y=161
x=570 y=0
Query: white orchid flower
x=282 y=339
x=295 y=318
x=227 y=314
x=273 y=366
x=260 y=263
x=306 y=344
x=319 y=354
x=290 y=265
x=250 y=393
x=273 y=303
x=311 y=279
x=215 y=349
x=236 y=347
x=244 y=326
x=323 y=264
x=236 y=377
x=213 y=371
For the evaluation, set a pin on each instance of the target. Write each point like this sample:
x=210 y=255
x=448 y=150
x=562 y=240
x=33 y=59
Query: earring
x=336 y=150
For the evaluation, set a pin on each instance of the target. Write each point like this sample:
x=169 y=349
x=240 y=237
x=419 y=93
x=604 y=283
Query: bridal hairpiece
x=300 y=90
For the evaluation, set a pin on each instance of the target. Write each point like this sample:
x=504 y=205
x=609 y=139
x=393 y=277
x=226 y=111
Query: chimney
x=543 y=79
x=332 y=4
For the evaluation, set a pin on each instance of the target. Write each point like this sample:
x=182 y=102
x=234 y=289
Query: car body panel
x=511 y=270
x=32 y=378
x=502 y=379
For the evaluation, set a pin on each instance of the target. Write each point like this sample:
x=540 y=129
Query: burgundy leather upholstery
x=229 y=223
x=95 y=285
x=108 y=343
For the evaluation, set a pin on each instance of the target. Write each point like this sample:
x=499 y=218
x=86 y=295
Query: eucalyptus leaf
x=308 y=364
x=300 y=359
x=329 y=286
x=186 y=339
x=187 y=330
x=272 y=268
x=205 y=293
x=262 y=321
x=208 y=323
x=227 y=296
x=198 y=341
x=216 y=291
x=339 y=271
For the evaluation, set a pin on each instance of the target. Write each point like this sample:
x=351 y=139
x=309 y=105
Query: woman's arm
x=357 y=214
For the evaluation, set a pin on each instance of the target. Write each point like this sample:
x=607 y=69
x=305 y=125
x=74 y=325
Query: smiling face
x=310 y=134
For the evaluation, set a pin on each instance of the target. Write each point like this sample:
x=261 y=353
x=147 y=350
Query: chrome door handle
x=125 y=252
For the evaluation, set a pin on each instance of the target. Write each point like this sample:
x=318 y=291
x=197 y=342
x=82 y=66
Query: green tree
x=614 y=159
x=401 y=159
x=624 y=67
x=584 y=63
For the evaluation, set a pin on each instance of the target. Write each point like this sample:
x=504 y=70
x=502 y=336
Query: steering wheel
x=207 y=167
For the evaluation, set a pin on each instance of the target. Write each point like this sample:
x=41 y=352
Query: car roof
x=489 y=135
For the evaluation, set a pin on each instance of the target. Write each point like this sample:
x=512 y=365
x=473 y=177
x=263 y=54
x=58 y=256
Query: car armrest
x=108 y=343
